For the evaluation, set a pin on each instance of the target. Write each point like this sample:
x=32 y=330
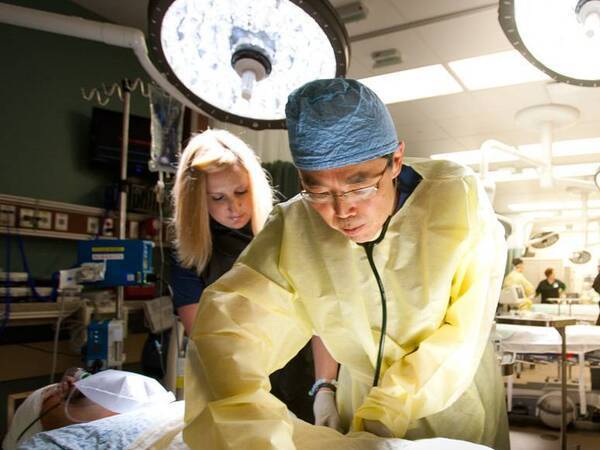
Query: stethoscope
x=369 y=247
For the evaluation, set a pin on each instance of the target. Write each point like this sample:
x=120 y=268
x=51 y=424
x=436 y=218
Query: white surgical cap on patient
x=121 y=392
x=338 y=122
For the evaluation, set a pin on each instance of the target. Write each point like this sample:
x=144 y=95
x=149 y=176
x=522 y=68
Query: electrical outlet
x=44 y=220
x=108 y=227
x=26 y=218
x=61 y=222
x=93 y=225
x=8 y=215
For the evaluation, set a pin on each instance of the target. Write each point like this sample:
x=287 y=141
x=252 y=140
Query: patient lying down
x=80 y=398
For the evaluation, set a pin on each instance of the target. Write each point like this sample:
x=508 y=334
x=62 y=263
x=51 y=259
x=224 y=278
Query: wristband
x=322 y=383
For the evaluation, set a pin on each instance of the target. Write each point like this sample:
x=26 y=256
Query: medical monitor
x=519 y=292
x=512 y=295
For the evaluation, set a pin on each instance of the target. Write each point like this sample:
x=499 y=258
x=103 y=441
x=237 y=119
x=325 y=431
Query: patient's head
x=66 y=405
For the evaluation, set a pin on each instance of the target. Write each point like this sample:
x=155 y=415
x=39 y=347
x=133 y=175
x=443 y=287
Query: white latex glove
x=377 y=428
x=325 y=410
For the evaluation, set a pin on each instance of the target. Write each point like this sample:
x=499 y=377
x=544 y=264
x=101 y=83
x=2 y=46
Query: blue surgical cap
x=338 y=122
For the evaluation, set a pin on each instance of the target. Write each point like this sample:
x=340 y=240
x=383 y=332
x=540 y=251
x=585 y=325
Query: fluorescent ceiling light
x=472 y=157
x=574 y=147
x=496 y=69
x=545 y=206
x=561 y=171
x=427 y=81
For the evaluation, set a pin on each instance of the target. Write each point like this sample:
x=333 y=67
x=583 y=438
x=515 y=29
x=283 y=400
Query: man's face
x=359 y=220
x=520 y=267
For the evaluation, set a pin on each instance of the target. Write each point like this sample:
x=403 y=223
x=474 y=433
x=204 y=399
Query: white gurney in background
x=582 y=340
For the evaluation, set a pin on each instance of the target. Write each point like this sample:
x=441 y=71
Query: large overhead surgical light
x=559 y=37
x=239 y=59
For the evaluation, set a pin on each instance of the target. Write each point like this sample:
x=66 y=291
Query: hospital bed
x=581 y=312
x=582 y=340
x=161 y=429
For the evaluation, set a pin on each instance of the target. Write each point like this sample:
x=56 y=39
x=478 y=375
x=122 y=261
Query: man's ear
x=397 y=159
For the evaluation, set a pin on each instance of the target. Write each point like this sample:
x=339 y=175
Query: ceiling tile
x=464 y=37
x=424 y=148
x=420 y=131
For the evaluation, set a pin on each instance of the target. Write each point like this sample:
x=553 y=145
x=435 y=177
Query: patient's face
x=80 y=408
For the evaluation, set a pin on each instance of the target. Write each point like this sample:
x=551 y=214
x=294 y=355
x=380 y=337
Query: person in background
x=551 y=287
x=516 y=278
x=596 y=284
x=396 y=266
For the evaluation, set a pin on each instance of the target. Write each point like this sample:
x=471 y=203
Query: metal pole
x=123 y=202
x=563 y=387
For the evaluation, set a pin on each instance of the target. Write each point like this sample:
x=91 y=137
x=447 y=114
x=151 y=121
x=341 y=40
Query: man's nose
x=342 y=207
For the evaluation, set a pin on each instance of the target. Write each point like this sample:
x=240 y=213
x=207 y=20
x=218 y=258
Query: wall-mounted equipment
x=128 y=261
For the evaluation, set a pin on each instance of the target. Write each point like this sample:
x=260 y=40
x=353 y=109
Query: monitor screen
x=519 y=292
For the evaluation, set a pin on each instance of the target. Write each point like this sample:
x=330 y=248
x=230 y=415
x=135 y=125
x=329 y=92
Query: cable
x=55 y=345
x=160 y=194
x=6 y=285
x=36 y=419
x=30 y=282
x=43 y=350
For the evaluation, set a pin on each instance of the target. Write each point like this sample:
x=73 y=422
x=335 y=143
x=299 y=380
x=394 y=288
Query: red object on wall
x=145 y=292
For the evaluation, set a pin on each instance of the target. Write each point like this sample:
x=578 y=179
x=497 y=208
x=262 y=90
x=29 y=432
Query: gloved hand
x=377 y=428
x=325 y=410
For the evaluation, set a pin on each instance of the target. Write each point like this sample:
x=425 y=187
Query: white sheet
x=588 y=313
x=527 y=339
x=168 y=436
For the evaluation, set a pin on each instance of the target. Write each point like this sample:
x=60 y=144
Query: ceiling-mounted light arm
x=106 y=33
x=493 y=144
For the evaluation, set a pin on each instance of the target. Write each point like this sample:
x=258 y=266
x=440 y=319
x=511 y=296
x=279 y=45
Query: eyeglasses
x=355 y=195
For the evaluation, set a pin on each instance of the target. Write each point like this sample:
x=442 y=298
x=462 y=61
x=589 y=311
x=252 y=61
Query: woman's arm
x=325 y=366
x=187 y=314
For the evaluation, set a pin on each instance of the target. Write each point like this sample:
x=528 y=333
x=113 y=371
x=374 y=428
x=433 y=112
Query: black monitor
x=106 y=138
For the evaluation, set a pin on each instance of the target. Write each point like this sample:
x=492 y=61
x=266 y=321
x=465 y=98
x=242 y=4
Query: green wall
x=44 y=121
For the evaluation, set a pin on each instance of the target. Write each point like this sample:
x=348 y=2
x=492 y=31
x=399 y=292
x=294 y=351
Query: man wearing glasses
x=397 y=268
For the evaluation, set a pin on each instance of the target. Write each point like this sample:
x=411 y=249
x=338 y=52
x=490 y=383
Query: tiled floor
x=533 y=438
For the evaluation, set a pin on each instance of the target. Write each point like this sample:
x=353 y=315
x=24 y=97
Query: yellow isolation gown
x=441 y=262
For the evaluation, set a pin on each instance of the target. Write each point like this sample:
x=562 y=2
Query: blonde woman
x=221 y=199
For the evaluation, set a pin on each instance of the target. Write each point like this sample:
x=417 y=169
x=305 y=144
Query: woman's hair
x=549 y=271
x=209 y=152
x=517 y=261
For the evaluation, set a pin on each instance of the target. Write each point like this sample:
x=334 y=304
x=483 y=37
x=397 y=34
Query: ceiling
x=438 y=32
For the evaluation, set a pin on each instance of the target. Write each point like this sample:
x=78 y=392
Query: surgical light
x=559 y=37
x=238 y=60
